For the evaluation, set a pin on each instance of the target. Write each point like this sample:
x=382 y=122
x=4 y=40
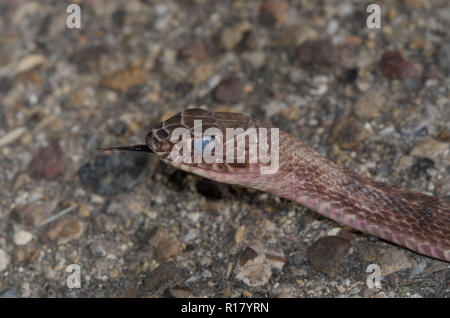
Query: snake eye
x=200 y=144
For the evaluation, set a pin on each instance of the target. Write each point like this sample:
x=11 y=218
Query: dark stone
x=163 y=276
x=229 y=90
x=319 y=52
x=109 y=175
x=275 y=10
x=327 y=254
x=194 y=50
x=118 y=17
x=394 y=66
x=414 y=130
x=247 y=255
x=420 y=166
x=249 y=41
x=350 y=75
x=444 y=135
x=348 y=132
x=298 y=259
x=85 y=58
x=5 y=85
x=48 y=163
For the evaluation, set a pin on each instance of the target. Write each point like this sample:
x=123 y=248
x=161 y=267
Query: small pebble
x=231 y=36
x=290 y=113
x=29 y=62
x=165 y=274
x=327 y=254
x=420 y=167
x=201 y=73
x=191 y=234
x=22 y=237
x=65 y=230
x=195 y=50
x=239 y=234
x=123 y=80
x=394 y=260
x=166 y=249
x=256 y=264
x=229 y=90
x=430 y=148
x=367 y=252
x=369 y=105
x=194 y=216
x=320 y=52
x=206 y=274
x=394 y=66
x=348 y=132
x=444 y=135
x=158 y=235
x=33 y=214
x=419 y=268
x=48 y=163
x=298 y=259
x=276 y=10
x=249 y=41
x=4 y=260
x=180 y=292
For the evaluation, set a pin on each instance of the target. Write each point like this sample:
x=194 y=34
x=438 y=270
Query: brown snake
x=413 y=220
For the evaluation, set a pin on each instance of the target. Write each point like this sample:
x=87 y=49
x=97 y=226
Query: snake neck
x=410 y=219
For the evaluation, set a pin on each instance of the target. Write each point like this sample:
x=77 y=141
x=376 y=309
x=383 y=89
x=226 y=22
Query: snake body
x=413 y=220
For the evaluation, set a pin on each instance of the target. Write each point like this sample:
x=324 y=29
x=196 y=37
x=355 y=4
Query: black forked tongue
x=143 y=148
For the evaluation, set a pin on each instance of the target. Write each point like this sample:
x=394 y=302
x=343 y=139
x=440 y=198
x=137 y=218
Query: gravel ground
x=374 y=100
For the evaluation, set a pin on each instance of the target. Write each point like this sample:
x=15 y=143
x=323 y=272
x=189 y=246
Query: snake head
x=225 y=147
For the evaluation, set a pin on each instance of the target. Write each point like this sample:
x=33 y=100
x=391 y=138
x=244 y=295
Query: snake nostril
x=158 y=140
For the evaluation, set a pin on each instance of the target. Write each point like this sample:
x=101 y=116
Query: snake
x=413 y=220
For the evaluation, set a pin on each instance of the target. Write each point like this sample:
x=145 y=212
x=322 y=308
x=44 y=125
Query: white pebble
x=194 y=216
x=206 y=274
x=4 y=260
x=22 y=237
x=334 y=231
x=191 y=234
x=22 y=198
x=33 y=99
x=152 y=215
x=332 y=27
